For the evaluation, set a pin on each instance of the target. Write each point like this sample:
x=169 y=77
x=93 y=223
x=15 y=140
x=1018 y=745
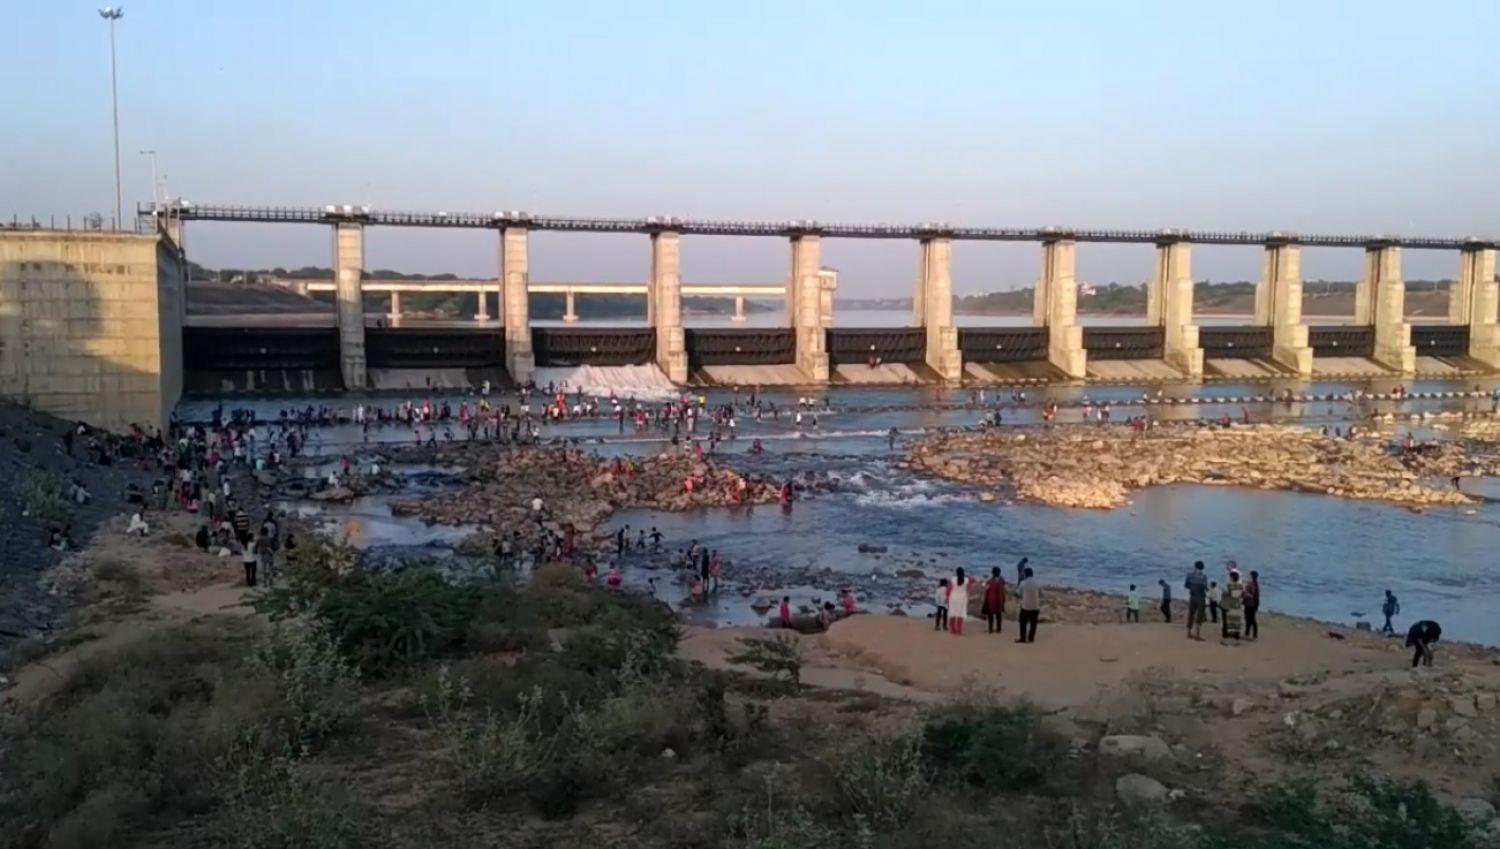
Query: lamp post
x=112 y=14
x=155 y=186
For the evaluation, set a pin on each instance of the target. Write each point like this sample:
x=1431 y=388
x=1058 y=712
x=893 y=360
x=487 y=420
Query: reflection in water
x=367 y=522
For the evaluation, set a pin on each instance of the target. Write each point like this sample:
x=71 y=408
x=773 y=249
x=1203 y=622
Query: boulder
x=1463 y=706
x=1485 y=701
x=1426 y=717
x=1135 y=748
x=1140 y=791
x=1240 y=705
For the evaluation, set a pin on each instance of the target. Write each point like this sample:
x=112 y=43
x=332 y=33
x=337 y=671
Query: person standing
x=1390 y=608
x=940 y=617
x=1196 y=584
x=958 y=602
x=1166 y=600
x=1214 y=595
x=1234 y=603
x=994 y=602
x=1133 y=605
x=1252 y=606
x=1422 y=636
x=248 y=558
x=1030 y=591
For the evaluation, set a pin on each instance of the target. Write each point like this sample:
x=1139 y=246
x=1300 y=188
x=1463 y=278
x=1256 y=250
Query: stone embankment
x=575 y=488
x=1098 y=467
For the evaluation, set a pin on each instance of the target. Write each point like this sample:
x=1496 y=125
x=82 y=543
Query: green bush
x=997 y=748
x=382 y=621
x=273 y=803
x=883 y=780
x=1374 y=814
x=42 y=496
x=774 y=656
x=315 y=681
x=132 y=738
x=494 y=755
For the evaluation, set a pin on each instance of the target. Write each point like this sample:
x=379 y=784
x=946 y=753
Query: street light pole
x=112 y=14
x=155 y=203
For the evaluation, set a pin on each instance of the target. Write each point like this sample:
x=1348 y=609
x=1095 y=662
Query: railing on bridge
x=1124 y=343
x=1236 y=343
x=1003 y=344
x=740 y=346
x=1339 y=340
x=574 y=346
x=855 y=346
x=416 y=347
x=1440 y=340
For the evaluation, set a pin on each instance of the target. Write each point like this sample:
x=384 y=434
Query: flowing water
x=1318 y=556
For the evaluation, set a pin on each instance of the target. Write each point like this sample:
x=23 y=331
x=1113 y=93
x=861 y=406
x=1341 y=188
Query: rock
x=1454 y=723
x=333 y=493
x=1362 y=626
x=1140 y=791
x=1474 y=809
x=1240 y=705
x=868 y=548
x=1288 y=690
x=1426 y=717
x=1485 y=701
x=987 y=497
x=1463 y=706
x=1135 y=748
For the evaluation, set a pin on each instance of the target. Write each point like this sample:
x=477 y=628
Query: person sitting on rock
x=137 y=525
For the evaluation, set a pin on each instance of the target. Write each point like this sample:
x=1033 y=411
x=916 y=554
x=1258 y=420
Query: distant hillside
x=1319 y=297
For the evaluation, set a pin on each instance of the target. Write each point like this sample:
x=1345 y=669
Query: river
x=1318 y=556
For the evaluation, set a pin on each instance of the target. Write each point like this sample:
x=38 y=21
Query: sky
x=1369 y=117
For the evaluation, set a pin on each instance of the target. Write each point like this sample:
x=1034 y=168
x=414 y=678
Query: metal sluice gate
x=855 y=346
x=1341 y=340
x=740 y=346
x=575 y=346
x=398 y=347
x=1440 y=340
x=1003 y=344
x=260 y=348
x=1124 y=343
x=1236 y=343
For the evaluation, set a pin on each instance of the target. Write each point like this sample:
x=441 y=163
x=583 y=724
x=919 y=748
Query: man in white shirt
x=1031 y=606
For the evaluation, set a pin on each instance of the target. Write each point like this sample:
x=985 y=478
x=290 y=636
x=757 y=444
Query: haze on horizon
x=1294 y=116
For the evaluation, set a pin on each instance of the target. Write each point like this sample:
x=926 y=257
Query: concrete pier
x=664 y=305
x=1055 y=307
x=1380 y=301
x=481 y=309
x=1169 y=305
x=515 y=305
x=932 y=305
x=348 y=271
x=739 y=308
x=1473 y=301
x=395 y=313
x=570 y=308
x=805 y=307
x=1278 y=305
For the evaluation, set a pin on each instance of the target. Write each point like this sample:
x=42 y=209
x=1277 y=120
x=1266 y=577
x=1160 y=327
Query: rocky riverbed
x=576 y=489
x=1098 y=467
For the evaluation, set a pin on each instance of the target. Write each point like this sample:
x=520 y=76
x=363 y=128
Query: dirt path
x=33 y=682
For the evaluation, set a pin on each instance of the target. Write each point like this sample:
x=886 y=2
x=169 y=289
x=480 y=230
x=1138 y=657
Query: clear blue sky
x=1367 y=117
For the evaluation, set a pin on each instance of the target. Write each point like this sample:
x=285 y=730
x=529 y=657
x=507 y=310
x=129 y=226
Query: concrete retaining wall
x=90 y=325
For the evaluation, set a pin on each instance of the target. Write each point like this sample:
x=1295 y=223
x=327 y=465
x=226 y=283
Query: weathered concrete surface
x=810 y=307
x=1169 y=305
x=932 y=305
x=1380 y=300
x=1278 y=305
x=1055 y=307
x=1473 y=300
x=664 y=305
x=515 y=308
x=91 y=325
x=348 y=274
